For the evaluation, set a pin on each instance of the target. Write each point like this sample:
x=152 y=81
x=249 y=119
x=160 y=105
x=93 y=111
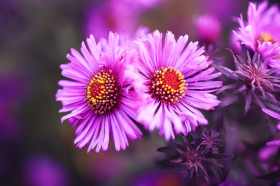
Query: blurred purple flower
x=43 y=171
x=120 y=16
x=252 y=79
x=110 y=16
x=98 y=97
x=208 y=28
x=261 y=31
x=173 y=80
x=223 y=9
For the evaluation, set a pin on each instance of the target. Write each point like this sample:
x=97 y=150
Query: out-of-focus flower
x=208 y=28
x=196 y=159
x=261 y=31
x=120 y=16
x=173 y=80
x=252 y=79
x=98 y=98
x=110 y=16
x=223 y=9
x=43 y=171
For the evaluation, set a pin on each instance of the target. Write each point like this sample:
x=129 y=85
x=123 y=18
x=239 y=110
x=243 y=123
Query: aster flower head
x=208 y=28
x=96 y=95
x=195 y=158
x=261 y=31
x=174 y=80
x=252 y=79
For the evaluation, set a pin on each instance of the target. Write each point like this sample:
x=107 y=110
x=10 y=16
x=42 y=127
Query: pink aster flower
x=174 y=80
x=261 y=31
x=208 y=28
x=96 y=95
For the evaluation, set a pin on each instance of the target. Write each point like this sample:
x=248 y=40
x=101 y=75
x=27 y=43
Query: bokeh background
x=35 y=36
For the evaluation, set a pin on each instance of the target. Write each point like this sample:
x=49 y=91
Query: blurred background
x=35 y=36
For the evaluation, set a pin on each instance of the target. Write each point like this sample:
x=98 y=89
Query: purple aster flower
x=223 y=9
x=252 y=79
x=174 y=80
x=208 y=28
x=97 y=95
x=261 y=31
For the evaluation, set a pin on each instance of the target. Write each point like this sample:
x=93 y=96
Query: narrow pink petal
x=271 y=113
x=94 y=139
x=106 y=137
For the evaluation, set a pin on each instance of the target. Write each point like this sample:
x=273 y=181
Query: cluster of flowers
x=115 y=83
x=163 y=83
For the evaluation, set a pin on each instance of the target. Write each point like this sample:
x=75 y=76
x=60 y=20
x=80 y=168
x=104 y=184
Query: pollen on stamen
x=103 y=92
x=266 y=37
x=167 y=85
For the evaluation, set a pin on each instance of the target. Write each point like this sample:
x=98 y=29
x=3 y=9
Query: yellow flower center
x=103 y=92
x=266 y=37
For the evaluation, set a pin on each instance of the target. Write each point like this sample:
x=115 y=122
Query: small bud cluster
x=103 y=92
x=198 y=156
x=167 y=85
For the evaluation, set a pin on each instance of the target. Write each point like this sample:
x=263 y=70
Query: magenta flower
x=208 y=28
x=174 y=81
x=261 y=31
x=97 y=96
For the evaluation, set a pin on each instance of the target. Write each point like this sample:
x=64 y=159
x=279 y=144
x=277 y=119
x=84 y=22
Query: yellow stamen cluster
x=103 y=92
x=167 y=85
x=266 y=37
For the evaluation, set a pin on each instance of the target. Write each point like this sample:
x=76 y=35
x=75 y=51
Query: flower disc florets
x=103 y=92
x=167 y=85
